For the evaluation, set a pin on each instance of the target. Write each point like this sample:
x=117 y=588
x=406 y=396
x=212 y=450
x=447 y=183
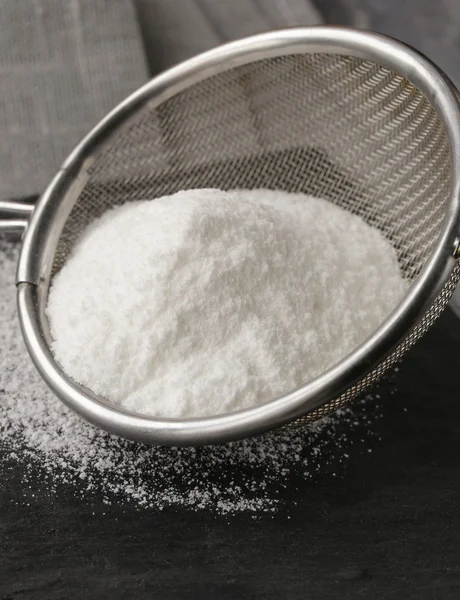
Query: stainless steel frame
x=47 y=221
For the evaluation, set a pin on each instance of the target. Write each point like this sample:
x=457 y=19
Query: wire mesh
x=341 y=128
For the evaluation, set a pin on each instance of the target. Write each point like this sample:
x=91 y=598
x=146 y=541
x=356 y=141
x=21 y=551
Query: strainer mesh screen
x=337 y=127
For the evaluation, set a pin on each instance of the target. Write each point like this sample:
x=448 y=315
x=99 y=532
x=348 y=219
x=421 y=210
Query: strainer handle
x=14 y=216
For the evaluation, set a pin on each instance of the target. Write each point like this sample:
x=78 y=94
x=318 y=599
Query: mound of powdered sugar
x=52 y=447
x=207 y=302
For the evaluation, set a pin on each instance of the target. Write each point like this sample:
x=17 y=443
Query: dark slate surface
x=387 y=527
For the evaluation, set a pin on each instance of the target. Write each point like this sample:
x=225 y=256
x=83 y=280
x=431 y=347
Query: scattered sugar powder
x=50 y=445
x=207 y=302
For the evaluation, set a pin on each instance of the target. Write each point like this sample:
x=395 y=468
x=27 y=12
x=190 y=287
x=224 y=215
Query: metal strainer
x=353 y=117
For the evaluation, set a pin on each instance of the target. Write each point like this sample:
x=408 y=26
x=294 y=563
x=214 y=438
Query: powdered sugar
x=207 y=302
x=51 y=445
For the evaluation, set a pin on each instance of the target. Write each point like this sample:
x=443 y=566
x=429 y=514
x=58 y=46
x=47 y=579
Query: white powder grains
x=56 y=453
x=206 y=302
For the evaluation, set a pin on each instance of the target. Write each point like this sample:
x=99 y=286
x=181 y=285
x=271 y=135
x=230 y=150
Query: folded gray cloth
x=174 y=30
x=65 y=63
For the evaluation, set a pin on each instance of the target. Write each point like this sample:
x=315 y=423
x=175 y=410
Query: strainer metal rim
x=47 y=221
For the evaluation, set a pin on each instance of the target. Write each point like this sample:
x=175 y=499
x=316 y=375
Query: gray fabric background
x=65 y=63
x=174 y=30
